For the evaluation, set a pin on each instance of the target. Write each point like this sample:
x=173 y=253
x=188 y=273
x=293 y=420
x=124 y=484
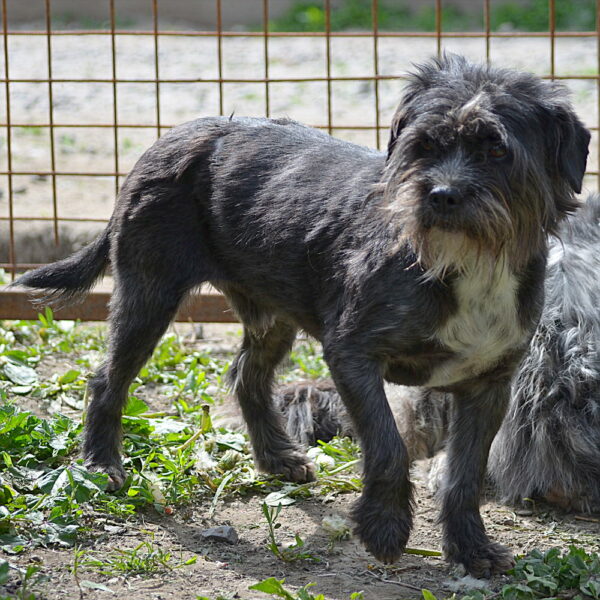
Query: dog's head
x=481 y=161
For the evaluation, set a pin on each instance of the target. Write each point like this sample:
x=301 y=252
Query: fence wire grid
x=78 y=106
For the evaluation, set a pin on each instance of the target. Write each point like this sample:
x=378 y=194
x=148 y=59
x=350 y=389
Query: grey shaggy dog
x=549 y=443
x=548 y=446
x=422 y=266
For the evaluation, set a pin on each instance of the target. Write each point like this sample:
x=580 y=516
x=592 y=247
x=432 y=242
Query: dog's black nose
x=444 y=197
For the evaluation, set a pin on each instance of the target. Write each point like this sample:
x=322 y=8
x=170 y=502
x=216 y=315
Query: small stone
x=115 y=529
x=524 y=512
x=223 y=533
x=466 y=583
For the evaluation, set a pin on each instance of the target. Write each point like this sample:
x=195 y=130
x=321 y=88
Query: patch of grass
x=31 y=130
x=127 y=145
x=173 y=457
x=534 y=15
x=306 y=362
x=552 y=574
x=22 y=585
x=66 y=141
x=146 y=558
x=531 y=15
x=74 y=20
x=357 y=14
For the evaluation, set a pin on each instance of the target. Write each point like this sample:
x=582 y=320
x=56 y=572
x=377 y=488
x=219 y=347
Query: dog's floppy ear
x=569 y=146
x=398 y=123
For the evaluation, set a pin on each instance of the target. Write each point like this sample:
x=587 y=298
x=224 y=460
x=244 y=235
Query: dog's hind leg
x=138 y=319
x=252 y=375
x=159 y=252
x=476 y=416
x=140 y=312
x=383 y=513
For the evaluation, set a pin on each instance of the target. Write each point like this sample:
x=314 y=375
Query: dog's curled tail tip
x=69 y=280
x=42 y=293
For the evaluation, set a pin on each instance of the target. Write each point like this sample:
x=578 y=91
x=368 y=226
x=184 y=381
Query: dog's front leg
x=477 y=414
x=383 y=513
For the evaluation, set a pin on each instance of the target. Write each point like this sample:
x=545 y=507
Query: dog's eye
x=426 y=145
x=498 y=151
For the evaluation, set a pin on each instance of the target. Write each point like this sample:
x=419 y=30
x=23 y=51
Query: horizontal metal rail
x=208 y=308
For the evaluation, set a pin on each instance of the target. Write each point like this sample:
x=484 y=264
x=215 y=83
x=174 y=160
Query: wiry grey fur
x=313 y=410
x=548 y=446
x=422 y=266
x=549 y=443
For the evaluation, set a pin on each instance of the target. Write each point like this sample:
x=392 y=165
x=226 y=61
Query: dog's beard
x=477 y=243
x=441 y=252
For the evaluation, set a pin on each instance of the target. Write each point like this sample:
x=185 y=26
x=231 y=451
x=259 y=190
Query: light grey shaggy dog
x=549 y=444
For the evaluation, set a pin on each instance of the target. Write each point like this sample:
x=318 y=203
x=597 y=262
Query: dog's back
x=221 y=215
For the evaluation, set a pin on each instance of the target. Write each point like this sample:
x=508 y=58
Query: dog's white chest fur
x=484 y=328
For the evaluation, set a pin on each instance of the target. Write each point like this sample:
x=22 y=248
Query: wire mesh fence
x=78 y=105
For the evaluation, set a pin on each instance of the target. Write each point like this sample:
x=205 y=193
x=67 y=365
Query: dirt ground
x=228 y=570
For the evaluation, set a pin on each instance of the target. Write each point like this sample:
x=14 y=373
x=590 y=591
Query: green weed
x=146 y=558
x=306 y=362
x=26 y=579
x=274 y=587
x=573 y=15
x=32 y=130
x=573 y=574
x=291 y=553
x=66 y=142
x=357 y=14
x=173 y=457
x=552 y=574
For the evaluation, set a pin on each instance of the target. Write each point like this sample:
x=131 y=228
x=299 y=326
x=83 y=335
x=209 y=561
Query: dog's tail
x=312 y=411
x=68 y=280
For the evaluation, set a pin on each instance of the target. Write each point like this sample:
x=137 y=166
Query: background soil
x=228 y=570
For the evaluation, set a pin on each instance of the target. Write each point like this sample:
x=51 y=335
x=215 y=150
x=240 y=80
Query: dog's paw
x=382 y=529
x=116 y=474
x=293 y=465
x=484 y=561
